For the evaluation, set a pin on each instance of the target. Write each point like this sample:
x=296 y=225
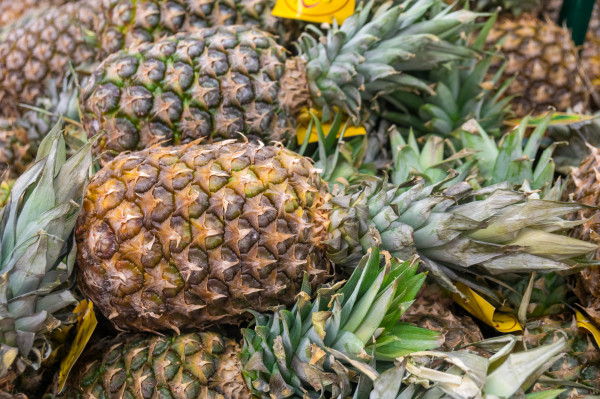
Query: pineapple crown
x=319 y=346
x=367 y=55
x=496 y=228
x=462 y=90
x=512 y=159
x=338 y=159
x=509 y=160
x=37 y=253
x=428 y=160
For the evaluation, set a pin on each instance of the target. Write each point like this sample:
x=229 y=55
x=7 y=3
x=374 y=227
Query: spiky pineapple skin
x=182 y=237
x=583 y=187
x=38 y=50
x=544 y=59
x=214 y=83
x=11 y=11
x=590 y=54
x=87 y=31
x=197 y=365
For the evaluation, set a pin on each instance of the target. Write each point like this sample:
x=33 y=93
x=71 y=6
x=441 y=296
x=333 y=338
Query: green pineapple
x=218 y=83
x=317 y=348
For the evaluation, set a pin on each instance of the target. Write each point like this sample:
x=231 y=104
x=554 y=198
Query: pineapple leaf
x=505 y=380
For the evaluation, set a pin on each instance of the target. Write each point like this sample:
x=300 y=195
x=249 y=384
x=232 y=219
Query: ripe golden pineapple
x=583 y=187
x=38 y=49
x=205 y=234
x=544 y=59
x=181 y=237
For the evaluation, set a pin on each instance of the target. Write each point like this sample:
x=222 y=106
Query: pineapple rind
x=200 y=233
x=544 y=59
x=583 y=187
x=215 y=83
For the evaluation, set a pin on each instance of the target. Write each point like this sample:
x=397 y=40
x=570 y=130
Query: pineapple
x=182 y=237
x=544 y=59
x=39 y=48
x=317 y=349
x=583 y=187
x=37 y=257
x=221 y=82
x=11 y=11
x=590 y=54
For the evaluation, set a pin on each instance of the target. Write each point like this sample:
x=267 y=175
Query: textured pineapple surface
x=217 y=84
x=196 y=365
x=39 y=47
x=198 y=234
x=544 y=60
x=590 y=53
x=579 y=366
x=583 y=187
x=11 y=11
x=190 y=223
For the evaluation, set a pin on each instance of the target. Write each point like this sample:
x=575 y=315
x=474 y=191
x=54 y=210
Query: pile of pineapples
x=201 y=200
